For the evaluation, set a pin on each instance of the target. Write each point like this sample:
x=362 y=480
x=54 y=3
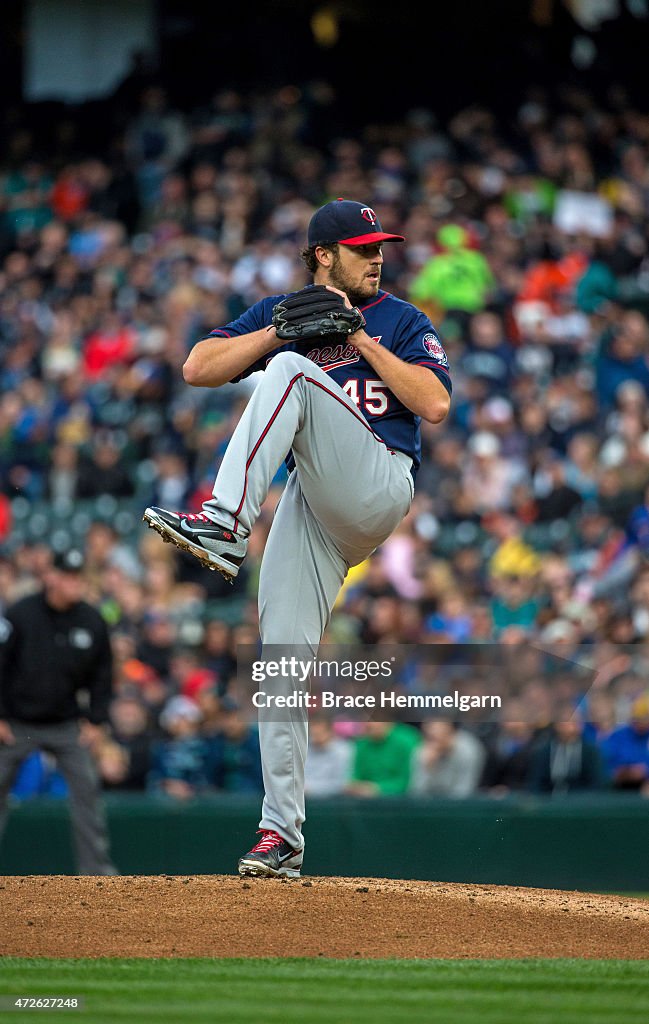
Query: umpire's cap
x=71 y=560
x=348 y=223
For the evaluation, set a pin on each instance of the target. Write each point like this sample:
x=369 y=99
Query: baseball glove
x=315 y=312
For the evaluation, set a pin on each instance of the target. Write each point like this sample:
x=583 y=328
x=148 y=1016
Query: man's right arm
x=216 y=361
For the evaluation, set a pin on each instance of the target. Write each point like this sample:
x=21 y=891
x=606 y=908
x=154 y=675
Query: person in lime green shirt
x=382 y=762
x=458 y=278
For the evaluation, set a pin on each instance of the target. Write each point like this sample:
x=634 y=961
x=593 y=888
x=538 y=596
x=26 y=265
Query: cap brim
x=375 y=236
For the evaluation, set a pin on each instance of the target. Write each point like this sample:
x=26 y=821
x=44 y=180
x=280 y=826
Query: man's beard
x=339 y=280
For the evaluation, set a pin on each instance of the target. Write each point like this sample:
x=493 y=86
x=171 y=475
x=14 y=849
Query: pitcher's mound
x=219 y=916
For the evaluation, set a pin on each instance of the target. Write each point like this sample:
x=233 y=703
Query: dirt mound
x=215 y=915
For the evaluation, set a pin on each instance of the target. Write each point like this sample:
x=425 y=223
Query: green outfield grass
x=337 y=991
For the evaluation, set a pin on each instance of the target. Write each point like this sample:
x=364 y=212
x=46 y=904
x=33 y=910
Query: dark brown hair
x=309 y=257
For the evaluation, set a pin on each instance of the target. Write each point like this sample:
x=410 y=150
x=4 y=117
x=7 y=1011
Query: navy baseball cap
x=347 y=222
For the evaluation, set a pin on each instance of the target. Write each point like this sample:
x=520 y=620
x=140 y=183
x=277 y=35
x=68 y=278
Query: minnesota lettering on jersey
x=330 y=357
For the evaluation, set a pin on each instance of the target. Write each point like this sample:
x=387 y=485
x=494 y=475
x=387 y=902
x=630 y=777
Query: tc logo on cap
x=337 y=221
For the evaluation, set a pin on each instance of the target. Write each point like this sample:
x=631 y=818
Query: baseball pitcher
x=349 y=372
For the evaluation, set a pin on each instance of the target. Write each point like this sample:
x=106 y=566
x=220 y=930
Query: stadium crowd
x=527 y=244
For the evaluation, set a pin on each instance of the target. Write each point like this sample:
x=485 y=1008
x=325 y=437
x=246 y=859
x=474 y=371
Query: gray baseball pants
x=345 y=497
x=77 y=767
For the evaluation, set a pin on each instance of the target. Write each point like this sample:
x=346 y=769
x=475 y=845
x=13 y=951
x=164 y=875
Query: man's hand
x=432 y=753
x=91 y=735
x=342 y=294
x=7 y=737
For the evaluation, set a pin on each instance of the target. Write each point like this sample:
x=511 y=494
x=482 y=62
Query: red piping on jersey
x=263 y=435
x=278 y=407
x=435 y=366
x=219 y=332
x=345 y=362
x=363 y=308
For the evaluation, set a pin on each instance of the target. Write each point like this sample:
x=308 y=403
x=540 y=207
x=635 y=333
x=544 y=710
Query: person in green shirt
x=459 y=278
x=382 y=763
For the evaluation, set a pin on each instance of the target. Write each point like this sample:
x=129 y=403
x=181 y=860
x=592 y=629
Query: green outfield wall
x=569 y=843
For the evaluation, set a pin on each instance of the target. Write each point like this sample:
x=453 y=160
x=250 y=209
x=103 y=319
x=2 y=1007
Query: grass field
x=333 y=991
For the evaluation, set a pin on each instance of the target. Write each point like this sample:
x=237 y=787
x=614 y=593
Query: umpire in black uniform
x=52 y=645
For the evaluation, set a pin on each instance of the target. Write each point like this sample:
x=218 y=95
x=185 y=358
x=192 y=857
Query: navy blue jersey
x=391 y=322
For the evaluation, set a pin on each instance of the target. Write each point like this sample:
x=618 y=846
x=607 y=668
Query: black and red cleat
x=215 y=546
x=272 y=857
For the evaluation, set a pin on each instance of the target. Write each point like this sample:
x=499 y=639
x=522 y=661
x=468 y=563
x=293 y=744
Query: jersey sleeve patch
x=433 y=346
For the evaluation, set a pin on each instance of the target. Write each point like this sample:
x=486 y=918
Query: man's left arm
x=416 y=387
x=414 y=379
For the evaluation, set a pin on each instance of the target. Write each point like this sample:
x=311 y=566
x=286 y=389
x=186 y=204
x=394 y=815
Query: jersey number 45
x=374 y=398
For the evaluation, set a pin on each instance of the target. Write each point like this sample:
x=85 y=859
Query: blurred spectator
x=217 y=651
x=112 y=343
x=626 y=750
x=382 y=762
x=458 y=278
x=488 y=478
x=452 y=622
x=62 y=480
x=555 y=498
x=513 y=604
x=328 y=759
x=623 y=357
x=172 y=481
x=234 y=755
x=155 y=140
x=130 y=729
x=134 y=677
x=209 y=700
x=489 y=353
x=180 y=763
x=103 y=472
x=510 y=752
x=449 y=761
x=638 y=525
x=157 y=645
x=567 y=762
x=599 y=712
x=581 y=465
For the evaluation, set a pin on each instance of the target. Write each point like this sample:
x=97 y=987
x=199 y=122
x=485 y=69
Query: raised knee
x=288 y=364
